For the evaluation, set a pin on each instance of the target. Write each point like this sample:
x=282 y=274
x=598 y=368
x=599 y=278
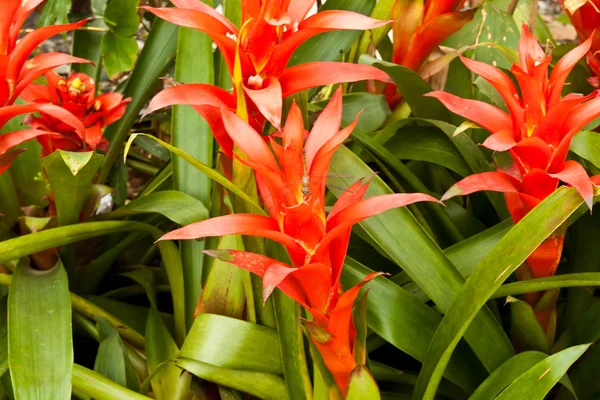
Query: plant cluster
x=292 y=212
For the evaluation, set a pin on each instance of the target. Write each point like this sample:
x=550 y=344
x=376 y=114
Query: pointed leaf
x=41 y=360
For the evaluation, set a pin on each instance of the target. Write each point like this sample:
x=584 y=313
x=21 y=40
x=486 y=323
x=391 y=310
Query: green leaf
x=261 y=385
x=292 y=348
x=424 y=261
x=362 y=385
x=495 y=268
x=55 y=12
x=412 y=87
x=177 y=206
x=34 y=242
x=231 y=343
x=525 y=328
x=100 y=388
x=374 y=108
x=155 y=57
x=538 y=380
x=585 y=329
x=118 y=53
x=40 y=347
x=121 y=17
x=70 y=175
x=408 y=324
x=427 y=144
x=583 y=279
x=3 y=334
x=211 y=173
x=189 y=131
x=586 y=144
x=160 y=351
x=112 y=360
x=332 y=46
x=508 y=372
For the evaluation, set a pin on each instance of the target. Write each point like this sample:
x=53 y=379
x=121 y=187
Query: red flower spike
x=15 y=71
x=76 y=96
x=271 y=32
x=291 y=180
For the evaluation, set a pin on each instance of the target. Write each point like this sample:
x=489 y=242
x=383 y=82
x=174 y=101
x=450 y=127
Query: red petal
x=249 y=141
x=316 y=282
x=238 y=224
x=562 y=69
x=258 y=265
x=350 y=196
x=196 y=94
x=274 y=275
x=539 y=184
x=503 y=84
x=268 y=100
x=298 y=9
x=325 y=127
x=435 y=8
x=6 y=113
x=494 y=181
x=12 y=139
x=575 y=175
x=341 y=324
x=291 y=159
x=532 y=152
x=323 y=21
x=500 y=141
x=206 y=23
x=489 y=117
x=375 y=205
x=553 y=128
x=206 y=9
x=10 y=8
x=30 y=41
x=337 y=357
x=20 y=16
x=530 y=50
x=575 y=121
x=305 y=76
x=7 y=159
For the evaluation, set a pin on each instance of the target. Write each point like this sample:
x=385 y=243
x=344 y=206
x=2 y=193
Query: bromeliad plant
x=537 y=133
x=292 y=179
x=192 y=270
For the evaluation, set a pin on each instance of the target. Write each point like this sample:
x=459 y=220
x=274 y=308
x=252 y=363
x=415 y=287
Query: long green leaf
x=538 y=380
x=100 y=388
x=167 y=382
x=231 y=343
x=177 y=206
x=261 y=385
x=425 y=262
x=206 y=170
x=508 y=372
x=157 y=54
x=22 y=246
x=40 y=347
x=409 y=324
x=495 y=268
x=192 y=133
x=583 y=279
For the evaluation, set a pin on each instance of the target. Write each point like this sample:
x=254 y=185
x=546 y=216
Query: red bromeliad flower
x=291 y=180
x=12 y=139
x=16 y=72
x=586 y=20
x=537 y=133
x=77 y=94
x=271 y=31
x=419 y=28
